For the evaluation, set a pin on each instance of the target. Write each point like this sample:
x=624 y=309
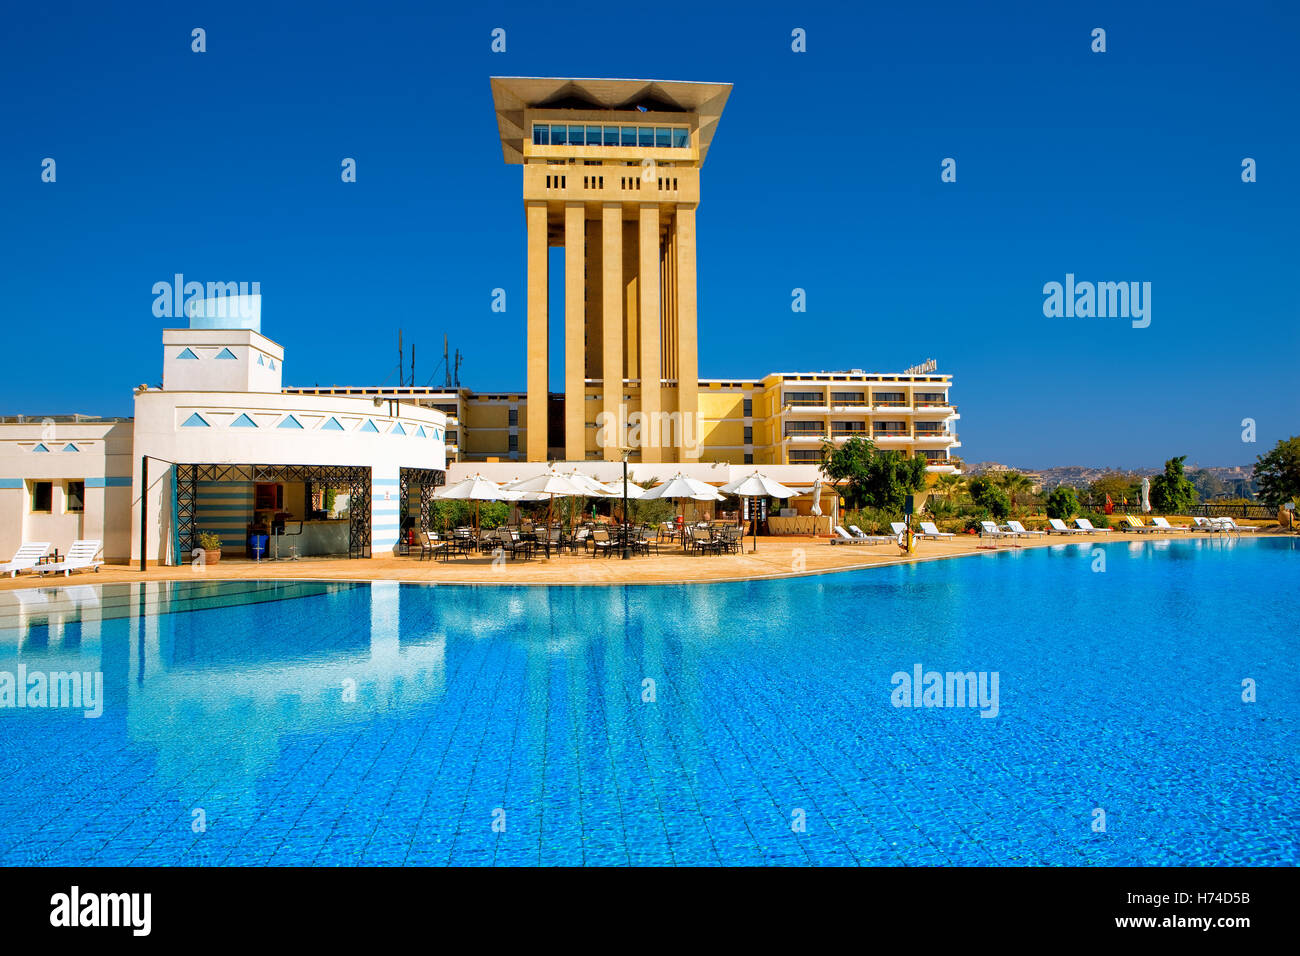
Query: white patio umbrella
x=549 y=483
x=680 y=488
x=1146 y=495
x=476 y=489
x=758 y=486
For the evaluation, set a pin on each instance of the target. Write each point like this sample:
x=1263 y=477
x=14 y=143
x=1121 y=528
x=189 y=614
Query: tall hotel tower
x=611 y=174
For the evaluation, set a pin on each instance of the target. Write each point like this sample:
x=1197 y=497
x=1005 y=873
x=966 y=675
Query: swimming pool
x=753 y=723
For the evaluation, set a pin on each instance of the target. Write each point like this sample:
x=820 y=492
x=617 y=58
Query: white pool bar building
x=220 y=448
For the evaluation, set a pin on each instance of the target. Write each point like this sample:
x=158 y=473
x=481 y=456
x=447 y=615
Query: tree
x=1014 y=484
x=1062 y=503
x=1118 y=485
x=846 y=464
x=1277 y=474
x=872 y=478
x=989 y=495
x=1171 y=492
x=891 y=478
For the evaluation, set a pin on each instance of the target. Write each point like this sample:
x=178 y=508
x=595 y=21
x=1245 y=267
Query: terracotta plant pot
x=211 y=557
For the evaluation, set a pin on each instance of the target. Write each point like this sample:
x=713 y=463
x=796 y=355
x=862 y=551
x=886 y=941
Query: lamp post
x=627 y=540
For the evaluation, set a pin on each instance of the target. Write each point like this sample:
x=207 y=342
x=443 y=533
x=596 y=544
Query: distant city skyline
x=827 y=175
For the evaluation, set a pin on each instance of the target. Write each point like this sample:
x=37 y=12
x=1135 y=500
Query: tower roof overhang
x=511 y=95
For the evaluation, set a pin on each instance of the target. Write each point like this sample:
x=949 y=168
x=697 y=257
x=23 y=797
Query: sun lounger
x=1135 y=524
x=843 y=537
x=930 y=530
x=898 y=527
x=1085 y=525
x=1229 y=525
x=82 y=555
x=25 y=557
x=1164 y=525
x=993 y=531
x=1060 y=527
x=1018 y=528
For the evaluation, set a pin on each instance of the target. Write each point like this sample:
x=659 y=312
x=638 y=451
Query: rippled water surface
x=305 y=723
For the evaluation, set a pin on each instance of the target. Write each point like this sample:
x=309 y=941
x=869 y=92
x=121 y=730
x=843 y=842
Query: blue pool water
x=509 y=725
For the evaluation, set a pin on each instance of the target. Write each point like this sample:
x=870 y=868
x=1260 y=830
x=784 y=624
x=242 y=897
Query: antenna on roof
x=445 y=366
x=401 y=355
x=458 y=358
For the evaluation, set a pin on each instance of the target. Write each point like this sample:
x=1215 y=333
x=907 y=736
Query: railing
x=1232 y=509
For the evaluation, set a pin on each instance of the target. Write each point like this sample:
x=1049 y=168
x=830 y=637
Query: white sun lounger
x=1230 y=525
x=1164 y=525
x=930 y=530
x=1085 y=525
x=25 y=557
x=82 y=555
x=1060 y=527
x=843 y=537
x=1018 y=528
x=898 y=527
x=992 y=530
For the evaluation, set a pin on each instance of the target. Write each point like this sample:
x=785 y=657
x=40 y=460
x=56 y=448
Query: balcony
x=891 y=438
x=805 y=436
x=936 y=437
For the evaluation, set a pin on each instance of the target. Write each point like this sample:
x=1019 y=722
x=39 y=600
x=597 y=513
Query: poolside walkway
x=776 y=557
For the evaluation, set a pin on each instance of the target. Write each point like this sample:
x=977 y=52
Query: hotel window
x=593 y=136
x=889 y=398
x=805 y=455
x=559 y=136
x=541 y=134
x=629 y=135
x=611 y=136
x=663 y=137
x=74 y=497
x=848 y=428
x=804 y=398
x=513 y=419
x=890 y=428
x=514 y=443
x=848 y=398
x=681 y=138
x=931 y=398
x=577 y=135
x=935 y=456
x=749 y=457
x=645 y=136
x=749 y=408
x=749 y=435
x=929 y=428
x=804 y=428
x=42 y=497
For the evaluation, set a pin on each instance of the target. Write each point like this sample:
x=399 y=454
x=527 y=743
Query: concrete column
x=575 y=328
x=611 y=289
x=538 y=358
x=650 y=330
x=688 y=362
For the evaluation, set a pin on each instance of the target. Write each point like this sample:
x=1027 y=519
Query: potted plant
x=211 y=545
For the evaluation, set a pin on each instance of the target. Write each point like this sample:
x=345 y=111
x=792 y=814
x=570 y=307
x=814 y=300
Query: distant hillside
x=1212 y=480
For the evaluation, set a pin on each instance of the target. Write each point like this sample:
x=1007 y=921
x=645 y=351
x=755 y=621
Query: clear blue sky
x=823 y=175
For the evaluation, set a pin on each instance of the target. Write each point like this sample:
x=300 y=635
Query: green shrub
x=990 y=497
x=1098 y=520
x=209 y=541
x=1062 y=503
x=872 y=520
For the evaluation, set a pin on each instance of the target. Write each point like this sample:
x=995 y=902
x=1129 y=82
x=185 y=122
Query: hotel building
x=611 y=173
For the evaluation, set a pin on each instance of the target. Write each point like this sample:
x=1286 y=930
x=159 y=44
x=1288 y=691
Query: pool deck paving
x=775 y=557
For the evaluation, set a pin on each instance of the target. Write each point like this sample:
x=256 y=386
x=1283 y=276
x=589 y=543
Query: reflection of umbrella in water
x=758 y=486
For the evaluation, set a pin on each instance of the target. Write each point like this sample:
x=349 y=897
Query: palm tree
x=950 y=487
x=1014 y=483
